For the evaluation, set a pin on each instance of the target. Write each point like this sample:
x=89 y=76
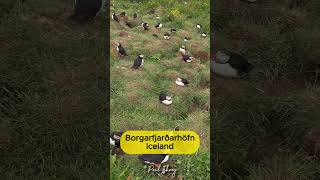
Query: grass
x=134 y=94
x=262 y=121
x=51 y=73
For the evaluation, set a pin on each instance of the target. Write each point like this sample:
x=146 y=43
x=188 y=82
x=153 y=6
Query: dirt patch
x=192 y=108
x=201 y=55
x=131 y=96
x=172 y=75
x=185 y=34
x=123 y=34
x=124 y=18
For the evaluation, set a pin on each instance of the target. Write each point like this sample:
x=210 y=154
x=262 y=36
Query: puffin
x=182 y=82
x=182 y=50
x=186 y=39
x=230 y=64
x=173 y=30
x=154 y=159
x=85 y=10
x=115 y=138
x=121 y=50
x=199 y=26
x=187 y=58
x=138 y=62
x=115 y=142
x=165 y=99
x=145 y=26
x=166 y=36
x=157 y=17
x=204 y=35
x=158 y=25
x=115 y=17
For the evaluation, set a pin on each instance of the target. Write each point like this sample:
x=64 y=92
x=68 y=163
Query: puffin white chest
x=179 y=83
x=224 y=69
x=142 y=61
x=165 y=159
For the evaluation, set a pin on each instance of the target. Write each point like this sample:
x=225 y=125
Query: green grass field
x=52 y=93
x=265 y=125
x=134 y=94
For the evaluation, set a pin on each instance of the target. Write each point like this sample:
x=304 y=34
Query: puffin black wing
x=115 y=17
x=122 y=51
x=240 y=63
x=184 y=81
x=185 y=57
x=137 y=63
x=173 y=30
x=162 y=97
x=152 y=158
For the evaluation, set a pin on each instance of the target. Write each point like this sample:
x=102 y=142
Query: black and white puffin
x=204 y=35
x=230 y=64
x=173 y=30
x=85 y=10
x=165 y=99
x=115 y=17
x=145 y=26
x=157 y=17
x=121 y=50
x=166 y=36
x=199 y=26
x=115 y=138
x=135 y=15
x=154 y=159
x=158 y=25
x=182 y=49
x=115 y=142
x=138 y=62
x=186 y=39
x=182 y=82
x=187 y=58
